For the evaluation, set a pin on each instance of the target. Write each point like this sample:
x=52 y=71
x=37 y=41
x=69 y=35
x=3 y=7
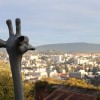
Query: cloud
x=58 y=18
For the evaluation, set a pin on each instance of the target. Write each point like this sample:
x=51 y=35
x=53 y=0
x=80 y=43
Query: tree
x=6 y=83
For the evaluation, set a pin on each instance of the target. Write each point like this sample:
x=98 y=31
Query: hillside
x=70 y=47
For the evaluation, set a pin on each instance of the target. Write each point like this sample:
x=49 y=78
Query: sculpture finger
x=18 y=26
x=10 y=27
x=2 y=43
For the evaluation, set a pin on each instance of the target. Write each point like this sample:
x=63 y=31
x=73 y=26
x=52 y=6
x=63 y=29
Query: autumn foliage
x=6 y=84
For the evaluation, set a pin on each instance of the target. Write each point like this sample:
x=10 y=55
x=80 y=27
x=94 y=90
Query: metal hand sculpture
x=16 y=46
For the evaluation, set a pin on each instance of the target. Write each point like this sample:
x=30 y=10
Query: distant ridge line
x=71 y=47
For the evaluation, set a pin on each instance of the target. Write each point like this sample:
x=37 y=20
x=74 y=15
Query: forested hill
x=70 y=47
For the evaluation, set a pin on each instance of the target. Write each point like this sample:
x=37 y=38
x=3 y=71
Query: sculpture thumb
x=30 y=47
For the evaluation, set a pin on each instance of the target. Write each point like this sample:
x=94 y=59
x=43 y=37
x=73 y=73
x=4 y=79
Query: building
x=76 y=75
x=81 y=61
x=56 y=58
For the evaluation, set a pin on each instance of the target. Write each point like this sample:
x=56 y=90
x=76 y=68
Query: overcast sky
x=53 y=21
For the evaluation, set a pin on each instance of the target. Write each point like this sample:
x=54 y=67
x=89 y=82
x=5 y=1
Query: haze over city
x=53 y=21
